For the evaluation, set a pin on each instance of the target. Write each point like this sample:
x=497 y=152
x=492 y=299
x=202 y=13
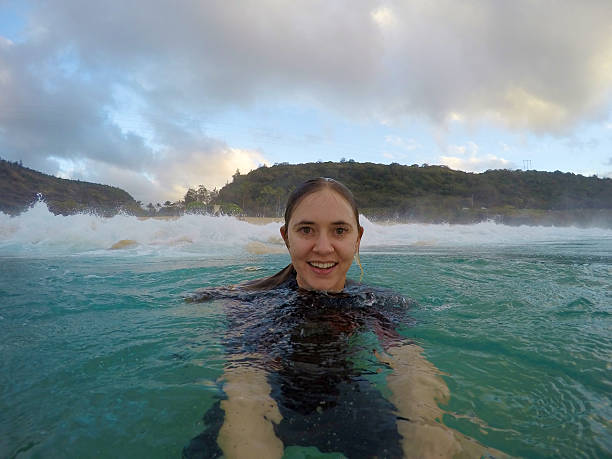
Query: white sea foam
x=485 y=233
x=39 y=232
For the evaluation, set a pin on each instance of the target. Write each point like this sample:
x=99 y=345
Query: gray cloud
x=169 y=176
x=535 y=65
x=45 y=111
x=538 y=66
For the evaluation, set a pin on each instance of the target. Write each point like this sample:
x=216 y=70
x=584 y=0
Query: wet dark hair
x=296 y=196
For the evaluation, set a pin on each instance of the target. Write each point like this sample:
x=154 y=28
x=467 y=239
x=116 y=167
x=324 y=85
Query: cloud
x=46 y=111
x=476 y=164
x=168 y=177
x=118 y=85
x=471 y=148
x=59 y=116
x=383 y=16
x=527 y=64
x=210 y=168
x=404 y=144
x=505 y=147
x=470 y=160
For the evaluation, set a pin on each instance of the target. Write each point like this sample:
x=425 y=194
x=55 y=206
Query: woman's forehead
x=324 y=204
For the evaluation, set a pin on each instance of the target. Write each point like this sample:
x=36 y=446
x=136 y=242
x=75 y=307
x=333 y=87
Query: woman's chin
x=330 y=286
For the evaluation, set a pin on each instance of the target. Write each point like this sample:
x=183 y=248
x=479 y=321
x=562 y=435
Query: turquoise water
x=102 y=357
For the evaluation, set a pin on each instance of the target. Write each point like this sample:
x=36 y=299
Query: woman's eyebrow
x=308 y=222
x=303 y=222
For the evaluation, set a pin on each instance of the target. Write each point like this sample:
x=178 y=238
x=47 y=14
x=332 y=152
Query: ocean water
x=101 y=356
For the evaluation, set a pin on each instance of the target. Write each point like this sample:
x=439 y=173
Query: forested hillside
x=396 y=192
x=434 y=193
x=20 y=187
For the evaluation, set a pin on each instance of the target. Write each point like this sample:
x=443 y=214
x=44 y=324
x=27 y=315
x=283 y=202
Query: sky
x=158 y=96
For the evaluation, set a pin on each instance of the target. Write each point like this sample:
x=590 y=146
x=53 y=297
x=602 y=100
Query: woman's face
x=322 y=237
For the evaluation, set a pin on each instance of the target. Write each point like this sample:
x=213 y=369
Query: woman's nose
x=323 y=244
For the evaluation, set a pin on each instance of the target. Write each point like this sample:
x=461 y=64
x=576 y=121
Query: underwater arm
x=417 y=388
x=250 y=412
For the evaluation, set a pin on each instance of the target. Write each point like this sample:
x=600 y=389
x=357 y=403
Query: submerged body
x=320 y=357
x=326 y=371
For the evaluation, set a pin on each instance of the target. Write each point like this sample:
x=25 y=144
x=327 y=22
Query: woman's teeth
x=316 y=264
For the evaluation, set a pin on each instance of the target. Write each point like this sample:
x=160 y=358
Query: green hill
x=415 y=193
x=435 y=193
x=20 y=187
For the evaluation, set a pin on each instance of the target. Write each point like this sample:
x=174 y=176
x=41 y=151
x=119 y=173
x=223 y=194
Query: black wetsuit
x=318 y=350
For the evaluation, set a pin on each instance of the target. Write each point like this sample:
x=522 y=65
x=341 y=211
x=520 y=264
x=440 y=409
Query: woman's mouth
x=322 y=265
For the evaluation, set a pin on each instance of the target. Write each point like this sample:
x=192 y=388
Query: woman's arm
x=247 y=429
x=417 y=388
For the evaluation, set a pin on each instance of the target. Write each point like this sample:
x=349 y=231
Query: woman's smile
x=321 y=265
x=322 y=269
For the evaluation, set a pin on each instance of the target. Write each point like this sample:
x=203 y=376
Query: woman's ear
x=283 y=232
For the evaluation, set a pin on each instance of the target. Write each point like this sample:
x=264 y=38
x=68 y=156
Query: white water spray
x=37 y=232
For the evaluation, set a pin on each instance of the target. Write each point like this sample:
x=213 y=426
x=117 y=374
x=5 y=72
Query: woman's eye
x=305 y=230
x=340 y=231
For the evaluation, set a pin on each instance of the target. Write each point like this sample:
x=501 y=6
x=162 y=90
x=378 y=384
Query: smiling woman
x=323 y=237
x=318 y=362
x=322 y=233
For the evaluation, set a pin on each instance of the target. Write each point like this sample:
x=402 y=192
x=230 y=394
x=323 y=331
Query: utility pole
x=526 y=164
